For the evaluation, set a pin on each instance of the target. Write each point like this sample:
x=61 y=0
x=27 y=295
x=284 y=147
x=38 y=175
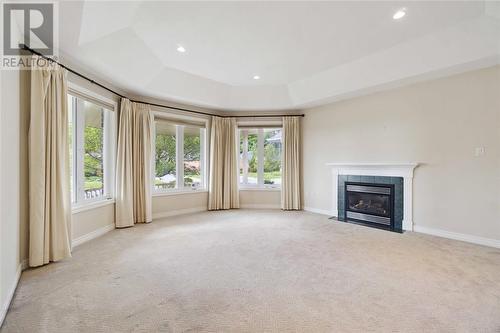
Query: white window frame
x=179 y=154
x=78 y=201
x=260 y=159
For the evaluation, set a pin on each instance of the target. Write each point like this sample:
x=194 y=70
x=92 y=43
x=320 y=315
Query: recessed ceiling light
x=399 y=14
x=181 y=49
x=256 y=77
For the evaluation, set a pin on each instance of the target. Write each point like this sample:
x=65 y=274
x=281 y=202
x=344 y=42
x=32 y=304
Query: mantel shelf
x=375 y=164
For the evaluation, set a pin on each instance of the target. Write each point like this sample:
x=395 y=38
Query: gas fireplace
x=371 y=204
x=389 y=207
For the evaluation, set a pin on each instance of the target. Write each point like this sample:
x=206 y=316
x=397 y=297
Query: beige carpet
x=262 y=271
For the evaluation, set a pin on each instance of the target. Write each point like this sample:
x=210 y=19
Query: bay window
x=260 y=157
x=179 y=156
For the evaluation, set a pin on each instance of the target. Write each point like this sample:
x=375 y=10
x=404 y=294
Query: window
x=179 y=156
x=260 y=157
x=91 y=141
x=165 y=159
x=192 y=157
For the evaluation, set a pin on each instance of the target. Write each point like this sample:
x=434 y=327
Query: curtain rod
x=25 y=47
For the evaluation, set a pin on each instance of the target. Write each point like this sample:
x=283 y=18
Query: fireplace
x=398 y=174
x=371 y=204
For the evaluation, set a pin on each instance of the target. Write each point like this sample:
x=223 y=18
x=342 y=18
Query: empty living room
x=250 y=166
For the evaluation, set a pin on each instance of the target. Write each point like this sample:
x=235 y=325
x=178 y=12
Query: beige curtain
x=133 y=165
x=223 y=192
x=291 y=195
x=49 y=194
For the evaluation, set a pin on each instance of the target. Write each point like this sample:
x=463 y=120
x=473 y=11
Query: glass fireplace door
x=369 y=203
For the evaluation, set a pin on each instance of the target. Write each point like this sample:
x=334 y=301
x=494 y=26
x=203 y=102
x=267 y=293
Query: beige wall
x=88 y=221
x=437 y=123
x=166 y=205
x=260 y=199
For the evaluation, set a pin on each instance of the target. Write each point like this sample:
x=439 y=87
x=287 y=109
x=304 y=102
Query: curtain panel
x=291 y=192
x=49 y=179
x=223 y=192
x=134 y=164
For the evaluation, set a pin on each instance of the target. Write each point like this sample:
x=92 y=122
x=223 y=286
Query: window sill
x=91 y=205
x=178 y=192
x=275 y=189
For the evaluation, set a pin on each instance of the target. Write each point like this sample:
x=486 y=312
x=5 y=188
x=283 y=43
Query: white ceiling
x=306 y=53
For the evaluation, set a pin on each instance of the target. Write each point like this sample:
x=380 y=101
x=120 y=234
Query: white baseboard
x=179 y=212
x=91 y=235
x=260 y=206
x=318 y=211
x=10 y=292
x=457 y=236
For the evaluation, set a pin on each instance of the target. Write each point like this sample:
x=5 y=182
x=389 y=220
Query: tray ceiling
x=305 y=53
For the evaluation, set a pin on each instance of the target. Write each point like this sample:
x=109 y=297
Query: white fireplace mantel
x=404 y=170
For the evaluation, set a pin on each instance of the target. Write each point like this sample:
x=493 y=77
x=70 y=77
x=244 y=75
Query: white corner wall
x=10 y=258
x=437 y=123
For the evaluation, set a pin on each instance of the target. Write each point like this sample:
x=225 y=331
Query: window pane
x=242 y=164
x=89 y=143
x=248 y=156
x=192 y=164
x=70 y=144
x=252 y=156
x=165 y=161
x=272 y=156
x=93 y=145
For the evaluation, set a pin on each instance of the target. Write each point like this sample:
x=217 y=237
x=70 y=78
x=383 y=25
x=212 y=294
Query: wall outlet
x=479 y=151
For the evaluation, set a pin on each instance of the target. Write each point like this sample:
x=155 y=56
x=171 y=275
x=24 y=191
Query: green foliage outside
x=252 y=148
x=93 y=163
x=165 y=155
x=93 y=183
x=268 y=176
x=191 y=154
x=272 y=157
x=165 y=158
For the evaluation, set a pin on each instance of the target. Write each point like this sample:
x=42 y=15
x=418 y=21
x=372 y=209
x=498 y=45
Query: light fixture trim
x=181 y=49
x=256 y=77
x=399 y=14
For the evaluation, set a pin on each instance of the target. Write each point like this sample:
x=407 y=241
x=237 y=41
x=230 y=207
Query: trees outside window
x=90 y=134
x=93 y=143
x=260 y=157
x=165 y=157
x=249 y=156
x=272 y=156
x=192 y=157
x=179 y=156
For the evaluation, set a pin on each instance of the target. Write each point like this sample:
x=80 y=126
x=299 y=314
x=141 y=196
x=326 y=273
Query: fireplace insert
x=370 y=204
